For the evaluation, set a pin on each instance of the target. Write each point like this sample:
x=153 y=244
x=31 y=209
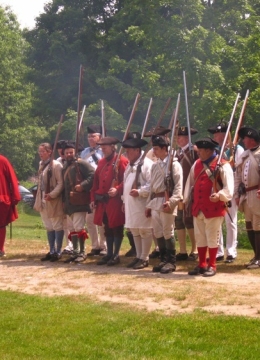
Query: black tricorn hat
x=158 y=140
x=206 y=143
x=94 y=129
x=249 y=132
x=157 y=130
x=184 y=131
x=61 y=144
x=108 y=140
x=69 y=145
x=134 y=140
x=220 y=128
x=72 y=145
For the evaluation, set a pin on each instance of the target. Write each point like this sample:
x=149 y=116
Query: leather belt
x=255 y=187
x=158 y=195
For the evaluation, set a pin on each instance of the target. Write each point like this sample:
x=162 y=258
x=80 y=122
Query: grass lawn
x=34 y=327
x=75 y=327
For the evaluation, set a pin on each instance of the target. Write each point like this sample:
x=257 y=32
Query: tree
x=18 y=129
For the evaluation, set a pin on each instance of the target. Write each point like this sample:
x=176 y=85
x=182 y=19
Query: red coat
x=202 y=192
x=103 y=178
x=9 y=192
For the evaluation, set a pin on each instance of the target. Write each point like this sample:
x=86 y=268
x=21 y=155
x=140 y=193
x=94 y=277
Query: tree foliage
x=18 y=129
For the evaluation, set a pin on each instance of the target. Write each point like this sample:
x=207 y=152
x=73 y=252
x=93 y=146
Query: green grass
x=34 y=327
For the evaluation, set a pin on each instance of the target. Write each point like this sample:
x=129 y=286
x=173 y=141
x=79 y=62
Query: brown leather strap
x=255 y=187
x=158 y=195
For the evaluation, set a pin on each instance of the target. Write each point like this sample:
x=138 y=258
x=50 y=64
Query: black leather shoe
x=113 y=261
x=197 y=271
x=158 y=267
x=154 y=254
x=104 y=260
x=132 y=263
x=71 y=259
x=229 y=259
x=182 y=257
x=141 y=264
x=55 y=257
x=209 y=272
x=219 y=258
x=47 y=257
x=168 y=268
x=193 y=256
x=130 y=253
x=94 y=252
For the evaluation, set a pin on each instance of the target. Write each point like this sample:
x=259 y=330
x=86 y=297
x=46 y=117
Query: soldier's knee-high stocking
x=257 y=245
x=2 y=238
x=59 y=239
x=51 y=241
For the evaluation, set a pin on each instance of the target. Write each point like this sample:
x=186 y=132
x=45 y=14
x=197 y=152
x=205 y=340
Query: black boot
x=170 y=265
x=132 y=251
x=162 y=250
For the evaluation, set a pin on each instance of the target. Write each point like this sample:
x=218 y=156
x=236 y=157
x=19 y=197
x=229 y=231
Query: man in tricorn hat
x=161 y=209
x=211 y=193
x=92 y=155
x=78 y=179
x=106 y=198
x=186 y=157
x=161 y=131
x=219 y=133
x=247 y=182
x=136 y=190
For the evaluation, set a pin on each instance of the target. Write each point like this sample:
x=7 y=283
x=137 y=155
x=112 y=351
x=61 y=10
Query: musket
x=81 y=71
x=103 y=118
x=139 y=166
x=116 y=164
x=49 y=171
x=168 y=171
x=227 y=132
x=81 y=118
x=240 y=120
x=187 y=115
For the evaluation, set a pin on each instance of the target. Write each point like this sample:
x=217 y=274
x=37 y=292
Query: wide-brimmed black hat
x=206 y=143
x=134 y=140
x=157 y=130
x=184 y=131
x=219 y=128
x=61 y=144
x=69 y=145
x=158 y=140
x=94 y=129
x=108 y=140
x=249 y=132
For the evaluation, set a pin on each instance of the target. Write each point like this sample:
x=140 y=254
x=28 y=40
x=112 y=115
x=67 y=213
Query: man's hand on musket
x=166 y=207
x=134 y=193
x=47 y=197
x=78 y=188
x=112 y=192
x=214 y=197
x=92 y=205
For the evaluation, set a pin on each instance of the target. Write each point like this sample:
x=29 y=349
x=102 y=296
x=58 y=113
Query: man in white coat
x=161 y=209
x=247 y=182
x=137 y=178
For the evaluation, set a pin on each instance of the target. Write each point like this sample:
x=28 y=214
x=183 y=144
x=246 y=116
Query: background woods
x=126 y=47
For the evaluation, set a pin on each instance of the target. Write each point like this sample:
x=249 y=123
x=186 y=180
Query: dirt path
x=226 y=293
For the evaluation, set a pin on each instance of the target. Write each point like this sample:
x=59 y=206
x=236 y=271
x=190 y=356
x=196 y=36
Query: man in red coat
x=9 y=197
x=106 y=199
x=211 y=193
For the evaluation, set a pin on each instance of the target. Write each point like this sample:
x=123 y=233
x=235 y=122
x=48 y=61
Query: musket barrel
x=147 y=117
x=240 y=118
x=228 y=130
x=187 y=110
